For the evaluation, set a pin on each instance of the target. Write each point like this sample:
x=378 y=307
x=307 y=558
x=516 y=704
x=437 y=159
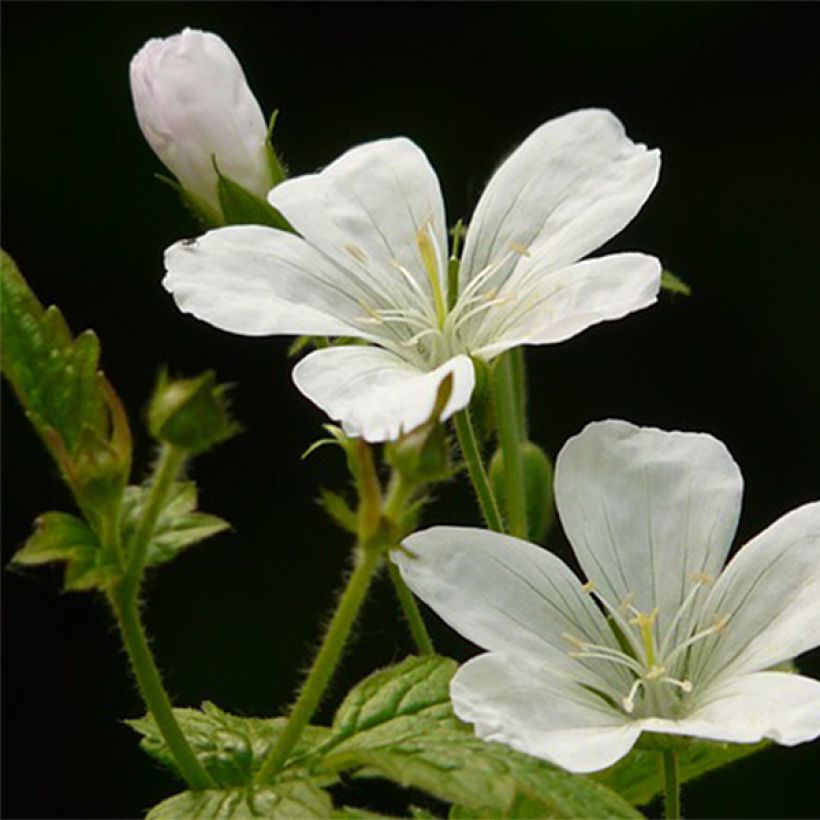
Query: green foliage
x=396 y=724
x=287 y=799
x=638 y=778
x=64 y=394
x=178 y=526
x=537 y=469
x=62 y=537
x=674 y=284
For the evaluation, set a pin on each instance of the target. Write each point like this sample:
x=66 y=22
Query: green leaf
x=64 y=394
x=241 y=207
x=62 y=537
x=286 y=799
x=674 y=284
x=231 y=748
x=637 y=777
x=399 y=724
x=178 y=526
x=54 y=376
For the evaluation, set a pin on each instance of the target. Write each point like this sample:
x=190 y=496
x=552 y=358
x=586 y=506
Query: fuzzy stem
x=472 y=457
x=509 y=434
x=671 y=781
x=325 y=663
x=412 y=614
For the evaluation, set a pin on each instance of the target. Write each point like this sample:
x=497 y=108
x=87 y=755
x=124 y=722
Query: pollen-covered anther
x=356 y=252
x=720 y=623
x=702 y=578
x=521 y=250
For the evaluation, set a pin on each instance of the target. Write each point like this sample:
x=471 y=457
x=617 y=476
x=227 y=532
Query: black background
x=729 y=92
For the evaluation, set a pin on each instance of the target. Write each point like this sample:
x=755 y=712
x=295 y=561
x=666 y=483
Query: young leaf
x=286 y=799
x=178 y=526
x=230 y=748
x=62 y=537
x=637 y=777
x=399 y=724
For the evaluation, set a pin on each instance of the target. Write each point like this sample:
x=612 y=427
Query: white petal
x=545 y=305
x=365 y=210
x=258 y=281
x=540 y=713
x=646 y=510
x=193 y=103
x=507 y=595
x=572 y=184
x=770 y=594
x=775 y=705
x=377 y=395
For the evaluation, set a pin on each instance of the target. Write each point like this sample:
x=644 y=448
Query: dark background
x=729 y=92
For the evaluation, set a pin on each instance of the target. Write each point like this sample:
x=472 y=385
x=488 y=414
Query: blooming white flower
x=371 y=263
x=658 y=639
x=193 y=104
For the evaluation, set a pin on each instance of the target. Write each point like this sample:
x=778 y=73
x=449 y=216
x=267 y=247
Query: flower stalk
x=671 y=782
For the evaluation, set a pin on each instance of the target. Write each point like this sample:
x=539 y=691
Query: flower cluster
x=661 y=638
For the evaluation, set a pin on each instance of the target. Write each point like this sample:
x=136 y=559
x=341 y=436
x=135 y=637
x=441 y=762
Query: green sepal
x=285 y=800
x=231 y=749
x=422 y=455
x=399 y=724
x=278 y=172
x=674 y=284
x=62 y=537
x=538 y=477
x=206 y=215
x=178 y=526
x=638 y=777
x=242 y=207
x=191 y=414
x=68 y=400
x=339 y=510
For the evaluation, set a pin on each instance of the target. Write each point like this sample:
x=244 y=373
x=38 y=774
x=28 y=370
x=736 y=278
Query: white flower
x=371 y=263
x=658 y=639
x=193 y=104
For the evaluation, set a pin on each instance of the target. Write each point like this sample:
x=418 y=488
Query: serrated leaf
x=178 y=525
x=231 y=748
x=637 y=777
x=286 y=799
x=54 y=376
x=241 y=207
x=399 y=724
x=674 y=284
x=62 y=537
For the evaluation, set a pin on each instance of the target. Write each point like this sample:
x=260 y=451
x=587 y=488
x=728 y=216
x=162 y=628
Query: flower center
x=657 y=662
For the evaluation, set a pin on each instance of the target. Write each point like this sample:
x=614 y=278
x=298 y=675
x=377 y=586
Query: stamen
x=589 y=586
x=629 y=701
x=654 y=672
x=603 y=655
x=618 y=617
x=685 y=685
x=422 y=298
x=420 y=335
x=698 y=636
x=701 y=579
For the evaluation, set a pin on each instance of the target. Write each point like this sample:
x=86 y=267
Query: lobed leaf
x=399 y=724
x=178 y=526
x=231 y=748
x=286 y=799
x=63 y=537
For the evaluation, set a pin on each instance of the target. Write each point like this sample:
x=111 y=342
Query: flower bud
x=194 y=105
x=191 y=414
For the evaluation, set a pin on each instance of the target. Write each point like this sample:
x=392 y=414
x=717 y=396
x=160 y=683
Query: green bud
x=537 y=486
x=191 y=414
x=423 y=454
x=100 y=473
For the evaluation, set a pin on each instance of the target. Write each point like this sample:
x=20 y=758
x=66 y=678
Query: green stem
x=671 y=807
x=519 y=373
x=418 y=630
x=325 y=663
x=478 y=475
x=509 y=435
x=399 y=495
x=153 y=693
x=124 y=598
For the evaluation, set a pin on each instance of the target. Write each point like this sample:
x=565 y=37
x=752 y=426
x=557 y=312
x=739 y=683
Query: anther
x=521 y=250
x=629 y=701
x=589 y=586
x=356 y=252
x=702 y=578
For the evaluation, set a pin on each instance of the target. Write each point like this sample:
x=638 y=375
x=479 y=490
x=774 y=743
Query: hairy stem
x=421 y=637
x=509 y=435
x=478 y=475
x=325 y=663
